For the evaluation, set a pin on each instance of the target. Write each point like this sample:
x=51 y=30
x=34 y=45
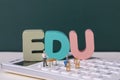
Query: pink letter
x=87 y=53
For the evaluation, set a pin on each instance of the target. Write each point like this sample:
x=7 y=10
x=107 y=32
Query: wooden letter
x=32 y=45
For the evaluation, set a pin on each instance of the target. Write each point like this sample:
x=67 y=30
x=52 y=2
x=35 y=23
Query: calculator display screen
x=26 y=63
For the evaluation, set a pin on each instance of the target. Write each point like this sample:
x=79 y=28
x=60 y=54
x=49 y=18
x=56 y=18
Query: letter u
x=88 y=51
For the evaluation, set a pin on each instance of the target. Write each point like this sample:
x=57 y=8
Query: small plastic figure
x=50 y=61
x=44 y=59
x=65 y=62
x=77 y=63
x=68 y=66
x=67 y=57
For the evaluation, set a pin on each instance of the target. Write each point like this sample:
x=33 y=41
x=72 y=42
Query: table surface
x=7 y=56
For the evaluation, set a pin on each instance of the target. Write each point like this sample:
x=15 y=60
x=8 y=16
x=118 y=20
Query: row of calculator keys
x=89 y=70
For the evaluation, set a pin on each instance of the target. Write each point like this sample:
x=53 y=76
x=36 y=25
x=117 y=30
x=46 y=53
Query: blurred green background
x=102 y=16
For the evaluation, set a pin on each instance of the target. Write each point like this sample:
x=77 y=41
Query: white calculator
x=91 y=69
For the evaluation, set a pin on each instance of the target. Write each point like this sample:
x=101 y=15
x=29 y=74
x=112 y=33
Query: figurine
x=77 y=63
x=68 y=66
x=65 y=62
x=44 y=59
x=51 y=61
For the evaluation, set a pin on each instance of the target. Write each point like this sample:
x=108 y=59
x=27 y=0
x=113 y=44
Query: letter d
x=50 y=36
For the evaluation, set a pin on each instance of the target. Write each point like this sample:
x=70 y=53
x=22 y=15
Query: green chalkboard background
x=102 y=16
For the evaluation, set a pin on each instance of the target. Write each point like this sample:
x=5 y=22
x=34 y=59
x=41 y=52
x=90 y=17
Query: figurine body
x=44 y=59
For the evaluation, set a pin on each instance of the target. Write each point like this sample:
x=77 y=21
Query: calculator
x=90 y=69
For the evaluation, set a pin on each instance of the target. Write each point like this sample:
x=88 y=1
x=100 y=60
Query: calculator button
x=44 y=69
x=113 y=67
x=102 y=66
x=86 y=77
x=115 y=72
x=55 y=71
x=95 y=74
x=104 y=70
x=93 y=68
x=97 y=79
x=85 y=72
x=109 y=63
x=64 y=72
x=99 y=61
x=75 y=75
x=105 y=75
x=91 y=64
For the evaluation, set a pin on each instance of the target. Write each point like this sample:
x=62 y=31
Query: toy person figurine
x=77 y=63
x=68 y=66
x=44 y=59
x=67 y=57
x=65 y=62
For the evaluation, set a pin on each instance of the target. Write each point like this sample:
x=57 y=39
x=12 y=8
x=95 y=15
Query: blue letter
x=50 y=36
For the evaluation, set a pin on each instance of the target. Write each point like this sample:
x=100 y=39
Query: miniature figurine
x=67 y=57
x=68 y=66
x=65 y=62
x=77 y=63
x=51 y=61
x=44 y=59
